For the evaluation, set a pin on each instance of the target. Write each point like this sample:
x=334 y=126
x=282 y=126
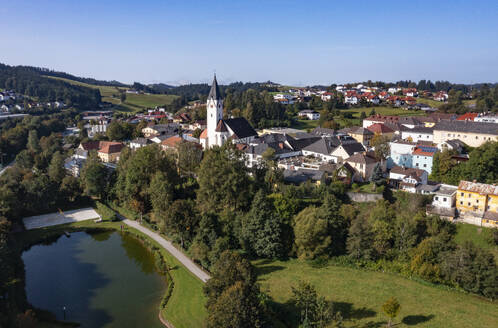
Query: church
x=220 y=130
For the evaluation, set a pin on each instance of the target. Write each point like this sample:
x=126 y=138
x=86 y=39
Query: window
x=416 y=165
x=461 y=194
x=425 y=165
x=477 y=201
x=468 y=203
x=436 y=198
x=444 y=199
x=461 y=203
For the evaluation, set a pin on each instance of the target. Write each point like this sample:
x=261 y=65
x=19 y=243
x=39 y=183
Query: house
x=171 y=142
x=441 y=96
x=362 y=135
x=352 y=99
x=283 y=146
x=199 y=124
x=453 y=144
x=310 y=114
x=418 y=133
x=219 y=130
x=363 y=165
x=379 y=119
x=153 y=130
x=393 y=90
x=401 y=153
x=422 y=157
x=73 y=165
x=109 y=151
x=443 y=203
x=477 y=203
x=407 y=179
x=182 y=118
x=323 y=149
x=486 y=118
x=410 y=92
x=467 y=117
x=347 y=149
x=324 y=132
x=139 y=143
x=381 y=129
x=327 y=96
x=471 y=133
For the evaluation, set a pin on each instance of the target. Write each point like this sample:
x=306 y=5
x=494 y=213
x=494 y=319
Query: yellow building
x=478 y=199
x=362 y=135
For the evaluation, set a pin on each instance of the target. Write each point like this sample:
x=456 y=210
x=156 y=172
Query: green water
x=103 y=279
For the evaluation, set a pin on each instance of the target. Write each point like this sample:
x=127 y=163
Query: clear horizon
x=287 y=42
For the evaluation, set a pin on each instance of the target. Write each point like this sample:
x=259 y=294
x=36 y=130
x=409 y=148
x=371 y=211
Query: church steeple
x=214 y=93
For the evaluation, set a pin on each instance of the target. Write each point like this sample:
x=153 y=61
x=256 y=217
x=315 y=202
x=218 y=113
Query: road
x=187 y=262
x=6 y=167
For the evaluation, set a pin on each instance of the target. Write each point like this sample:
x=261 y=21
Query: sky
x=289 y=42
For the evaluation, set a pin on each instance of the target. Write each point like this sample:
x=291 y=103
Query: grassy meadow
x=133 y=102
x=359 y=296
x=480 y=236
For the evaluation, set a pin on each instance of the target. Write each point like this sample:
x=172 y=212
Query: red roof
x=380 y=128
x=425 y=151
x=221 y=127
x=467 y=117
x=109 y=147
x=204 y=134
x=171 y=141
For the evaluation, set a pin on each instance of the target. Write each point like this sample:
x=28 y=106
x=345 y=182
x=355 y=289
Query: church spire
x=215 y=90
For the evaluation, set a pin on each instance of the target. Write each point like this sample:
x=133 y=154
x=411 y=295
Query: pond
x=104 y=279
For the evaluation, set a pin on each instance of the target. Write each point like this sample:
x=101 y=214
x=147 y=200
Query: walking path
x=2 y=171
x=187 y=262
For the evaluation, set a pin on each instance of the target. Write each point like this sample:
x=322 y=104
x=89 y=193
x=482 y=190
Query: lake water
x=103 y=279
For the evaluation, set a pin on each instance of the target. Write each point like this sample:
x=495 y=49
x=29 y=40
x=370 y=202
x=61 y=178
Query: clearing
x=51 y=219
x=133 y=102
x=359 y=296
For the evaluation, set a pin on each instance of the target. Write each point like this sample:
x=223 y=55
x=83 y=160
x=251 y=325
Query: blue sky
x=292 y=42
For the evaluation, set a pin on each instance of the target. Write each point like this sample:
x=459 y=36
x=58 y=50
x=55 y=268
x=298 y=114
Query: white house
x=310 y=114
x=353 y=100
x=326 y=96
x=401 y=154
x=418 y=133
x=393 y=90
x=445 y=196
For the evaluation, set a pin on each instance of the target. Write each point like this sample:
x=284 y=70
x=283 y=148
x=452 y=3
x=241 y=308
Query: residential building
x=477 y=203
x=422 y=157
x=467 y=117
x=381 y=129
x=362 y=135
x=401 y=153
x=379 y=119
x=310 y=114
x=327 y=96
x=418 y=133
x=487 y=118
x=153 y=130
x=139 y=143
x=363 y=165
x=109 y=151
x=471 y=133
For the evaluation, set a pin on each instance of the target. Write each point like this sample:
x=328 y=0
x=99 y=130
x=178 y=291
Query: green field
x=359 y=296
x=304 y=124
x=133 y=102
x=480 y=236
x=383 y=110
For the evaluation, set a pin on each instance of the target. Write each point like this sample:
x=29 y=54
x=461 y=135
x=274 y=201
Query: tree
x=119 y=130
x=315 y=311
x=381 y=145
x=70 y=188
x=122 y=96
x=337 y=225
x=189 y=157
x=94 y=177
x=377 y=176
x=33 y=142
x=261 y=232
x=56 y=170
x=182 y=220
x=311 y=234
x=391 y=308
x=223 y=180
x=233 y=295
x=360 y=240
x=162 y=193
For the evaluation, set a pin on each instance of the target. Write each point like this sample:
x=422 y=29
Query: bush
x=105 y=212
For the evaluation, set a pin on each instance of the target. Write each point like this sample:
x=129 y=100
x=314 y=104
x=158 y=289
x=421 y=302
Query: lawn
x=383 y=110
x=185 y=307
x=359 y=296
x=480 y=236
x=133 y=102
x=304 y=124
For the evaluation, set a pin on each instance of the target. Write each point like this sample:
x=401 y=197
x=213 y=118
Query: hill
x=133 y=102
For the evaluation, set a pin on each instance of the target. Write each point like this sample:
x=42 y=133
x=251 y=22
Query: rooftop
x=482 y=188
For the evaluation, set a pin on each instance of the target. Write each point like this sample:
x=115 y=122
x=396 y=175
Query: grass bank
x=480 y=236
x=360 y=294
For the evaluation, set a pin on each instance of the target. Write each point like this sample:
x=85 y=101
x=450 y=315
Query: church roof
x=221 y=127
x=240 y=127
x=214 y=93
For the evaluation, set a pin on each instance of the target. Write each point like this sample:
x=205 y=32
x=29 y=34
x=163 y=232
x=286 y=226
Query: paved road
x=187 y=262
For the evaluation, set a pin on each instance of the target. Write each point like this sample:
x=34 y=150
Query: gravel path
x=187 y=262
